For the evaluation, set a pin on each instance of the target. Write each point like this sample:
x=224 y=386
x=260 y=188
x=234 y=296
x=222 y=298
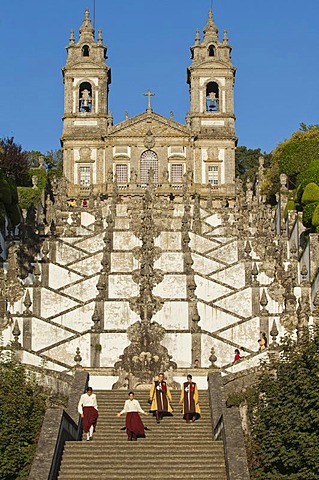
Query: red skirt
x=134 y=424
x=90 y=415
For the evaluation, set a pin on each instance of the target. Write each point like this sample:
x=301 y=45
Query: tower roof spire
x=87 y=29
x=210 y=28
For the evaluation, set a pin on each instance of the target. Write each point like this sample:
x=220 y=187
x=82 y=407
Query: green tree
x=297 y=153
x=285 y=414
x=22 y=408
x=247 y=162
x=13 y=159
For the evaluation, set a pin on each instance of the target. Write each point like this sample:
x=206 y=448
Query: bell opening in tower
x=212 y=97
x=85 y=97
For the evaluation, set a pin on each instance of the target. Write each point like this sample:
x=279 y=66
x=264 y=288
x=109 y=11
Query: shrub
x=28 y=196
x=310 y=194
x=315 y=217
x=307 y=214
x=22 y=407
x=290 y=206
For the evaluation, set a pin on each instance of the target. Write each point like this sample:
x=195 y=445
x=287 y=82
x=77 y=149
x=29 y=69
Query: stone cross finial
x=149 y=94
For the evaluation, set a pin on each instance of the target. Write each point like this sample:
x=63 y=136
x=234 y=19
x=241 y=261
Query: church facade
x=95 y=150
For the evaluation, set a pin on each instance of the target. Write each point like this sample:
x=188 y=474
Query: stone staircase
x=171 y=450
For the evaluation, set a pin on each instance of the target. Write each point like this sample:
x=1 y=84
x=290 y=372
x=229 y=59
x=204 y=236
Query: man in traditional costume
x=134 y=424
x=88 y=410
x=160 y=399
x=189 y=400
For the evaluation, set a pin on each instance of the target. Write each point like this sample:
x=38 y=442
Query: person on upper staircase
x=88 y=410
x=189 y=400
x=134 y=424
x=160 y=399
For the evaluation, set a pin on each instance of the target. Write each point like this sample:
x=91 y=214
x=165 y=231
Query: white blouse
x=132 y=406
x=87 y=401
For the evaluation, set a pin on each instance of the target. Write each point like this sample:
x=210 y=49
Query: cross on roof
x=149 y=94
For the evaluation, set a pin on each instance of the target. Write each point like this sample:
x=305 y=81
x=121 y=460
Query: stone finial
x=248 y=249
x=78 y=358
x=197 y=38
x=210 y=27
x=274 y=334
x=99 y=36
x=254 y=274
x=304 y=273
x=225 y=38
x=293 y=249
x=87 y=29
x=72 y=36
x=212 y=358
x=27 y=303
x=96 y=319
x=264 y=302
x=16 y=333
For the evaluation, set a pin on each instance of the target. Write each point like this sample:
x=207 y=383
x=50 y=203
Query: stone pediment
x=140 y=125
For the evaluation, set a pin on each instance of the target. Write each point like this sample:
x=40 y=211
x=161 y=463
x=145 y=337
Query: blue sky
x=275 y=49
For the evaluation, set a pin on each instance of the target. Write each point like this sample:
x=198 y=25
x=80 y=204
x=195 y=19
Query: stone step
x=94 y=448
x=181 y=450
x=147 y=475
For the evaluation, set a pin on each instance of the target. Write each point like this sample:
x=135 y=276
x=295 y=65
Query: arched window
x=85 y=97
x=212 y=97
x=211 y=51
x=85 y=51
x=148 y=161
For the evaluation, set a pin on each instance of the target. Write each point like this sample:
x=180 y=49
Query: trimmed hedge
x=28 y=196
x=310 y=194
x=307 y=214
x=290 y=206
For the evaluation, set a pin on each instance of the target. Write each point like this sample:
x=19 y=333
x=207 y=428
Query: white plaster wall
x=53 y=303
x=209 y=290
x=83 y=291
x=125 y=241
x=66 y=351
x=92 y=244
x=212 y=319
x=58 y=276
x=170 y=262
x=45 y=334
x=118 y=315
x=90 y=265
x=113 y=345
x=79 y=319
x=66 y=254
x=169 y=241
x=179 y=345
x=122 y=286
x=123 y=262
x=172 y=286
x=173 y=315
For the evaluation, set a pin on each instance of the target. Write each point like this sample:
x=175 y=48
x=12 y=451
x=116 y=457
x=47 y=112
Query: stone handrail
x=59 y=425
x=227 y=427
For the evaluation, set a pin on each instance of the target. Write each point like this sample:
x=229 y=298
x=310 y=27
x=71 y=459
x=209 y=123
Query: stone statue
x=34 y=179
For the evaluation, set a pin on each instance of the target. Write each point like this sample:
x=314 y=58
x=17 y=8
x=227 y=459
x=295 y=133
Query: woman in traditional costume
x=189 y=400
x=88 y=410
x=134 y=424
x=160 y=399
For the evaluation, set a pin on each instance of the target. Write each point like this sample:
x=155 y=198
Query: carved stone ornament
x=145 y=356
x=149 y=140
x=85 y=155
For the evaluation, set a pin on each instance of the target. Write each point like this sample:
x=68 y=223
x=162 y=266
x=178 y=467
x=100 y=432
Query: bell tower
x=212 y=121
x=86 y=80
